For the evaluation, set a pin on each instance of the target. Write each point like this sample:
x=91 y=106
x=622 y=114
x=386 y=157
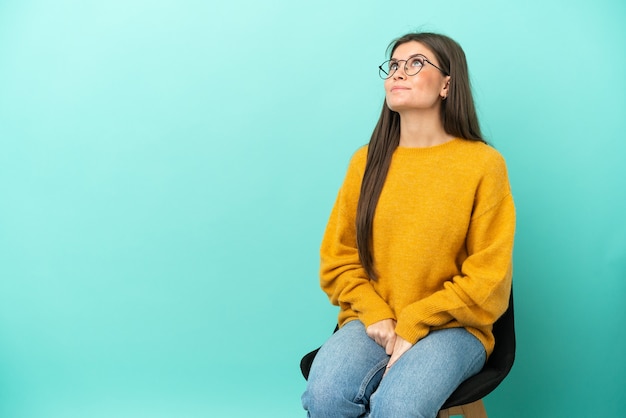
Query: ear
x=446 y=88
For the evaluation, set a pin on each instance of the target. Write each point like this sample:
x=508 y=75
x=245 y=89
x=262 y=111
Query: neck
x=420 y=130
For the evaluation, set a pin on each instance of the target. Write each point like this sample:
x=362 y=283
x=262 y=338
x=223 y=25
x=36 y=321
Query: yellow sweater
x=442 y=242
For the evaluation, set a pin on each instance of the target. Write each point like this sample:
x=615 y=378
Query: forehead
x=408 y=49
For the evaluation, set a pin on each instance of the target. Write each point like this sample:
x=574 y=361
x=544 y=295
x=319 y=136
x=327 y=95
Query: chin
x=399 y=107
x=396 y=106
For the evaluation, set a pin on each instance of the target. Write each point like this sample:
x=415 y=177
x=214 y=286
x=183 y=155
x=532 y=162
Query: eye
x=416 y=62
x=393 y=65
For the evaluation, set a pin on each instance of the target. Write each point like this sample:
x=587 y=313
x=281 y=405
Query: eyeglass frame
x=406 y=61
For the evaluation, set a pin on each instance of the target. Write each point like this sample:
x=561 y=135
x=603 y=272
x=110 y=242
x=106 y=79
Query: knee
x=323 y=399
x=392 y=405
x=315 y=398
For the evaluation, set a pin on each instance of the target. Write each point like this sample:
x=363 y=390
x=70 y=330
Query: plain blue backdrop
x=167 y=169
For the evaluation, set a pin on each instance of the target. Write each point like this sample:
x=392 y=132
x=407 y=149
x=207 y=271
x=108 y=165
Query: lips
x=396 y=88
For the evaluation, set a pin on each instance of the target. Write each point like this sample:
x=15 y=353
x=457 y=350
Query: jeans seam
x=368 y=378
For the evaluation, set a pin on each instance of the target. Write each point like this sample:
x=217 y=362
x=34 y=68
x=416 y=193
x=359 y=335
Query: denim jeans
x=346 y=378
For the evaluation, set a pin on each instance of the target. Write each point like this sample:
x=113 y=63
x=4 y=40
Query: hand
x=384 y=333
x=400 y=347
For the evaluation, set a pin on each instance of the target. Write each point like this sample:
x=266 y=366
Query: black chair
x=466 y=400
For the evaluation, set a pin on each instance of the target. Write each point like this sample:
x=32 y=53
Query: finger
x=389 y=365
x=390 y=346
x=380 y=341
x=401 y=347
x=392 y=360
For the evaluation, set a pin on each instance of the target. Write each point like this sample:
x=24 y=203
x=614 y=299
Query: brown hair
x=458 y=116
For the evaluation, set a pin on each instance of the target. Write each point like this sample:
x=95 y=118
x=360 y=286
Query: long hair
x=458 y=116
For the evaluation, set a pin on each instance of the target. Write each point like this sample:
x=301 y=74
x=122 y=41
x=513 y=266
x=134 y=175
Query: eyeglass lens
x=412 y=66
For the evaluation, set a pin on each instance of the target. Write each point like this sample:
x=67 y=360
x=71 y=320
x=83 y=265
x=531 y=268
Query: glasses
x=412 y=66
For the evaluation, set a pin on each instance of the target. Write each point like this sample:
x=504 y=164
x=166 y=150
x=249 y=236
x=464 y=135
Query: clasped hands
x=384 y=333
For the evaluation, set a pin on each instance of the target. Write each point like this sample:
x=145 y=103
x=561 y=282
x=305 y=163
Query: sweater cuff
x=412 y=332
x=374 y=315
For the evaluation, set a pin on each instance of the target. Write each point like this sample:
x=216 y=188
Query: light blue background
x=167 y=169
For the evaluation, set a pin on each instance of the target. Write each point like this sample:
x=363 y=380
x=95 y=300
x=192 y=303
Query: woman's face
x=425 y=90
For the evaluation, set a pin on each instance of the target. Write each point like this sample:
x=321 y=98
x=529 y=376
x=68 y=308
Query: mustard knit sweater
x=442 y=242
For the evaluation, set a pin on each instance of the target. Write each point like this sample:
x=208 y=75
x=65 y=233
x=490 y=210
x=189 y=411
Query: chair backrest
x=480 y=385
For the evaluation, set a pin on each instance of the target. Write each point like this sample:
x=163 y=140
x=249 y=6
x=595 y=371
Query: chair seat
x=474 y=388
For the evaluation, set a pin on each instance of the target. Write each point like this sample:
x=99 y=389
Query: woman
x=417 y=253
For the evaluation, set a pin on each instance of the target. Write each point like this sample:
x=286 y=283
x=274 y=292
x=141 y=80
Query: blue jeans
x=346 y=378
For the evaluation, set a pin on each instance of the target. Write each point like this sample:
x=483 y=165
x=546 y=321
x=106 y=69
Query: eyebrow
x=412 y=56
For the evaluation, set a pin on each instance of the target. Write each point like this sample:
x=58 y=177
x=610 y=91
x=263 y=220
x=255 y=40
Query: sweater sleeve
x=479 y=295
x=342 y=277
